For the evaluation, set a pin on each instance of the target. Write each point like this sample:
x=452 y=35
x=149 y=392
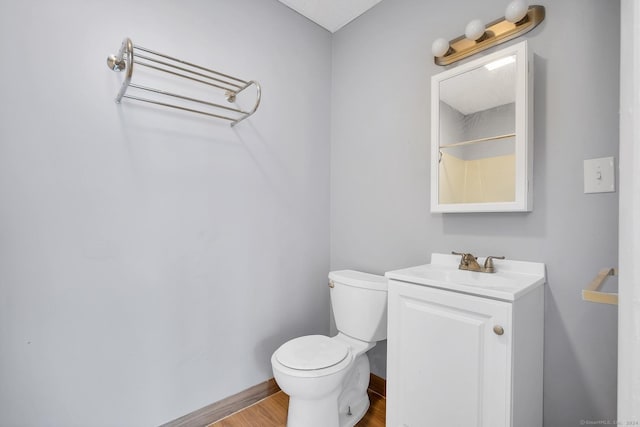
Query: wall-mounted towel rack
x=594 y=295
x=129 y=55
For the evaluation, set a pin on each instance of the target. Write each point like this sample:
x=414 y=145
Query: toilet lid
x=311 y=352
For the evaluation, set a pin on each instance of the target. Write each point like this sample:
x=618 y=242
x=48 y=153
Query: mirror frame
x=523 y=130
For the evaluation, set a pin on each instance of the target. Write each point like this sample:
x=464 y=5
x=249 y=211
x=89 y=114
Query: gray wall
x=151 y=260
x=456 y=127
x=380 y=217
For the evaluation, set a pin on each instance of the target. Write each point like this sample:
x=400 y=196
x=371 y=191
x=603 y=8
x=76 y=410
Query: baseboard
x=378 y=385
x=225 y=407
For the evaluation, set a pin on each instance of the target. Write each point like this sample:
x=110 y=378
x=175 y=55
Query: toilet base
x=357 y=413
x=341 y=408
x=354 y=400
x=314 y=413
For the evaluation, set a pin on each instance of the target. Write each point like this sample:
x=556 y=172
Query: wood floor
x=272 y=412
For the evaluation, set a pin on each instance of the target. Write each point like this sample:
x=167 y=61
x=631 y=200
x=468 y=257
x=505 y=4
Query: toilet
x=327 y=378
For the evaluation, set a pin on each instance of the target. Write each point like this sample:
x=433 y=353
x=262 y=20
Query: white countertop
x=511 y=280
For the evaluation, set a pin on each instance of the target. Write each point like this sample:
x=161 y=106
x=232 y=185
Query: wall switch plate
x=599 y=175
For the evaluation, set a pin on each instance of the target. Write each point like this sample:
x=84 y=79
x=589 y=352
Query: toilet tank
x=359 y=303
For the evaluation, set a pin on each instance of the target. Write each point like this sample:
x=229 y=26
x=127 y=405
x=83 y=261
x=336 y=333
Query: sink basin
x=443 y=274
x=511 y=280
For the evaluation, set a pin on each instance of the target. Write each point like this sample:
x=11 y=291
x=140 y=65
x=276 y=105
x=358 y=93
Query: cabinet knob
x=331 y=284
x=499 y=330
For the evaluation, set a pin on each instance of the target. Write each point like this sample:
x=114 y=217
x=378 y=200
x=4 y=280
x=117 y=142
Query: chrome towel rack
x=129 y=56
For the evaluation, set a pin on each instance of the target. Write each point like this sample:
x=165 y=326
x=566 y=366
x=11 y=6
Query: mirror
x=481 y=147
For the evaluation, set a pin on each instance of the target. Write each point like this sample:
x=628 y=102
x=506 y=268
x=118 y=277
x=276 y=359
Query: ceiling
x=331 y=14
x=480 y=89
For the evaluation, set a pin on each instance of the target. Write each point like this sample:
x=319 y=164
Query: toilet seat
x=311 y=352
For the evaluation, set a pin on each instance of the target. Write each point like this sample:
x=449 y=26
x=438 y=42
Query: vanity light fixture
x=516 y=10
x=475 y=30
x=518 y=19
x=440 y=47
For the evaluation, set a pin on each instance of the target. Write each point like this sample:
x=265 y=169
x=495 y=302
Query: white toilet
x=327 y=378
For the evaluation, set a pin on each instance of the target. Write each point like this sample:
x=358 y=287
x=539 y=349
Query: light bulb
x=474 y=30
x=439 y=47
x=516 y=10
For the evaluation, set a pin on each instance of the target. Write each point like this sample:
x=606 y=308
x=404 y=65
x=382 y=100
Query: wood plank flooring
x=272 y=412
x=225 y=407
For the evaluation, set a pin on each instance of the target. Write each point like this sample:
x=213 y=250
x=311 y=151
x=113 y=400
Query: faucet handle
x=466 y=258
x=488 y=263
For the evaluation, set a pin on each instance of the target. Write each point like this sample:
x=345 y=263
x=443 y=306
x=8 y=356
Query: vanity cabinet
x=460 y=358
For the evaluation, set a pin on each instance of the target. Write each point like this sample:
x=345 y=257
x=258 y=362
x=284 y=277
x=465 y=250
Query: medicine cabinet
x=482 y=134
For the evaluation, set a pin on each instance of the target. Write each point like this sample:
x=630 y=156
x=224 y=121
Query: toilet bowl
x=327 y=378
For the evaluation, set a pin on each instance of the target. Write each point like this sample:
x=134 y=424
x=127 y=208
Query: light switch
x=599 y=175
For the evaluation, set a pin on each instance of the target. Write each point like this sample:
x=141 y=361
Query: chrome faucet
x=470 y=263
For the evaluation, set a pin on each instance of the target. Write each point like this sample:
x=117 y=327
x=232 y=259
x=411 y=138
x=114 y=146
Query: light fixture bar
x=498 y=31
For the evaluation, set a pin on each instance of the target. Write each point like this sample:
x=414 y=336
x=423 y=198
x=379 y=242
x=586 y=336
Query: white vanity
x=465 y=348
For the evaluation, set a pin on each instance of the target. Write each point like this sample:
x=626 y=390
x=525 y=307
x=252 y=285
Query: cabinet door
x=446 y=365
